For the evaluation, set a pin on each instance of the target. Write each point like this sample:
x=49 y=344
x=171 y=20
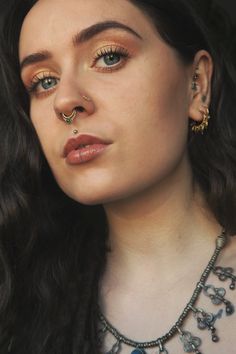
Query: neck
x=158 y=228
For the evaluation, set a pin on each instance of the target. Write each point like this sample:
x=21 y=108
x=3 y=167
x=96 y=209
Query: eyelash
x=119 y=51
x=37 y=79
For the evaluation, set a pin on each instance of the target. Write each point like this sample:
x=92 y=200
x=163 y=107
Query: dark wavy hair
x=53 y=249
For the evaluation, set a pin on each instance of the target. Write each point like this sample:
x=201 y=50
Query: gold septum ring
x=69 y=118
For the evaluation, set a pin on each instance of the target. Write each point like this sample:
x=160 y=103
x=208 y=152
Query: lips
x=83 y=148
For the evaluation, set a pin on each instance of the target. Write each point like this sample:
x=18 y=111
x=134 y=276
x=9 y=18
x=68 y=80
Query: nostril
x=80 y=109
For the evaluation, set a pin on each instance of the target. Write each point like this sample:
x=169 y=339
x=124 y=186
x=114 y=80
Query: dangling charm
x=101 y=335
x=161 y=348
x=207 y=320
x=190 y=343
x=115 y=349
x=217 y=296
x=224 y=274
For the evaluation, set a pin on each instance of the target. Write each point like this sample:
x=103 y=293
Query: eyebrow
x=84 y=36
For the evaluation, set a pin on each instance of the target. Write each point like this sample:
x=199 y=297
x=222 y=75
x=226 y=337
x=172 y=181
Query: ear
x=201 y=71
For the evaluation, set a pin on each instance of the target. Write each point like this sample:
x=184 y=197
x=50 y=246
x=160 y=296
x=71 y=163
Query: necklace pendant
x=217 y=296
x=190 y=342
x=206 y=320
x=101 y=335
x=115 y=349
x=162 y=349
x=229 y=308
x=225 y=274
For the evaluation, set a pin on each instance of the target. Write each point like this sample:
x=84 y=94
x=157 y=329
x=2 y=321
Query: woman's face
x=140 y=93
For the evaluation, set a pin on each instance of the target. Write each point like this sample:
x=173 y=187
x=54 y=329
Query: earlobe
x=201 y=75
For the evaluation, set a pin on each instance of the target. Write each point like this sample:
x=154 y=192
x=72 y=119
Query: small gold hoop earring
x=202 y=127
x=69 y=118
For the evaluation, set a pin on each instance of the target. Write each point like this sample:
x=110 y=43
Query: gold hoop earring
x=202 y=127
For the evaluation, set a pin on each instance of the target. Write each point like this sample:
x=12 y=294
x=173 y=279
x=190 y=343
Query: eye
x=42 y=83
x=48 y=83
x=110 y=58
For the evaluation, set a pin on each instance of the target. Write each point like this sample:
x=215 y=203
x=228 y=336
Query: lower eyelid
x=35 y=82
x=43 y=94
x=112 y=68
x=124 y=57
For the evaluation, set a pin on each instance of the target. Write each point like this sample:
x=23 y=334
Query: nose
x=70 y=98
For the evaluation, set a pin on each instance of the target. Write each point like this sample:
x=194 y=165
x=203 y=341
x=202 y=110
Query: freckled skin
x=142 y=107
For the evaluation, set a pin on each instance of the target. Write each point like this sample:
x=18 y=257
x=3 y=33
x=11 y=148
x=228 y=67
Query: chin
x=88 y=197
x=100 y=190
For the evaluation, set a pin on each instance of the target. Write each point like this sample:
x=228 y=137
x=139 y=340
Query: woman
x=117 y=175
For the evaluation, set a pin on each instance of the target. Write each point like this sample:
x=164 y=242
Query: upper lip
x=83 y=139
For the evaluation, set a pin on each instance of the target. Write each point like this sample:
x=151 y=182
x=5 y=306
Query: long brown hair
x=50 y=263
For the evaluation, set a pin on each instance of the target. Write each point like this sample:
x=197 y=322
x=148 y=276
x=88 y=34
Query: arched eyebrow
x=81 y=37
x=88 y=33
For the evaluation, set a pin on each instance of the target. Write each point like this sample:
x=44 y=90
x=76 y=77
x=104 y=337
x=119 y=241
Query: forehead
x=52 y=22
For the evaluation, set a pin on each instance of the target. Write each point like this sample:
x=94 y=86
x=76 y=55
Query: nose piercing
x=69 y=118
x=86 y=98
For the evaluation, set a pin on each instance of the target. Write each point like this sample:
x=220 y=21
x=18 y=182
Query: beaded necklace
x=204 y=319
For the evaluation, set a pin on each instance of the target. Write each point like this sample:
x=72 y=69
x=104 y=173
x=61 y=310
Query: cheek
x=146 y=116
x=46 y=126
x=153 y=130
x=153 y=95
x=155 y=114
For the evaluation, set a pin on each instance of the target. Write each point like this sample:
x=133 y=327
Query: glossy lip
x=82 y=139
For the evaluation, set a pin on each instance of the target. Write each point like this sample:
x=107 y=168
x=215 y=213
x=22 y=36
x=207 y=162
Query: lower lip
x=82 y=155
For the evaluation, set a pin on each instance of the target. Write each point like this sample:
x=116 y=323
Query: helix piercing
x=194 y=82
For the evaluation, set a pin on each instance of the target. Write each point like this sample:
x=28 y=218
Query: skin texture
x=142 y=107
x=158 y=219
